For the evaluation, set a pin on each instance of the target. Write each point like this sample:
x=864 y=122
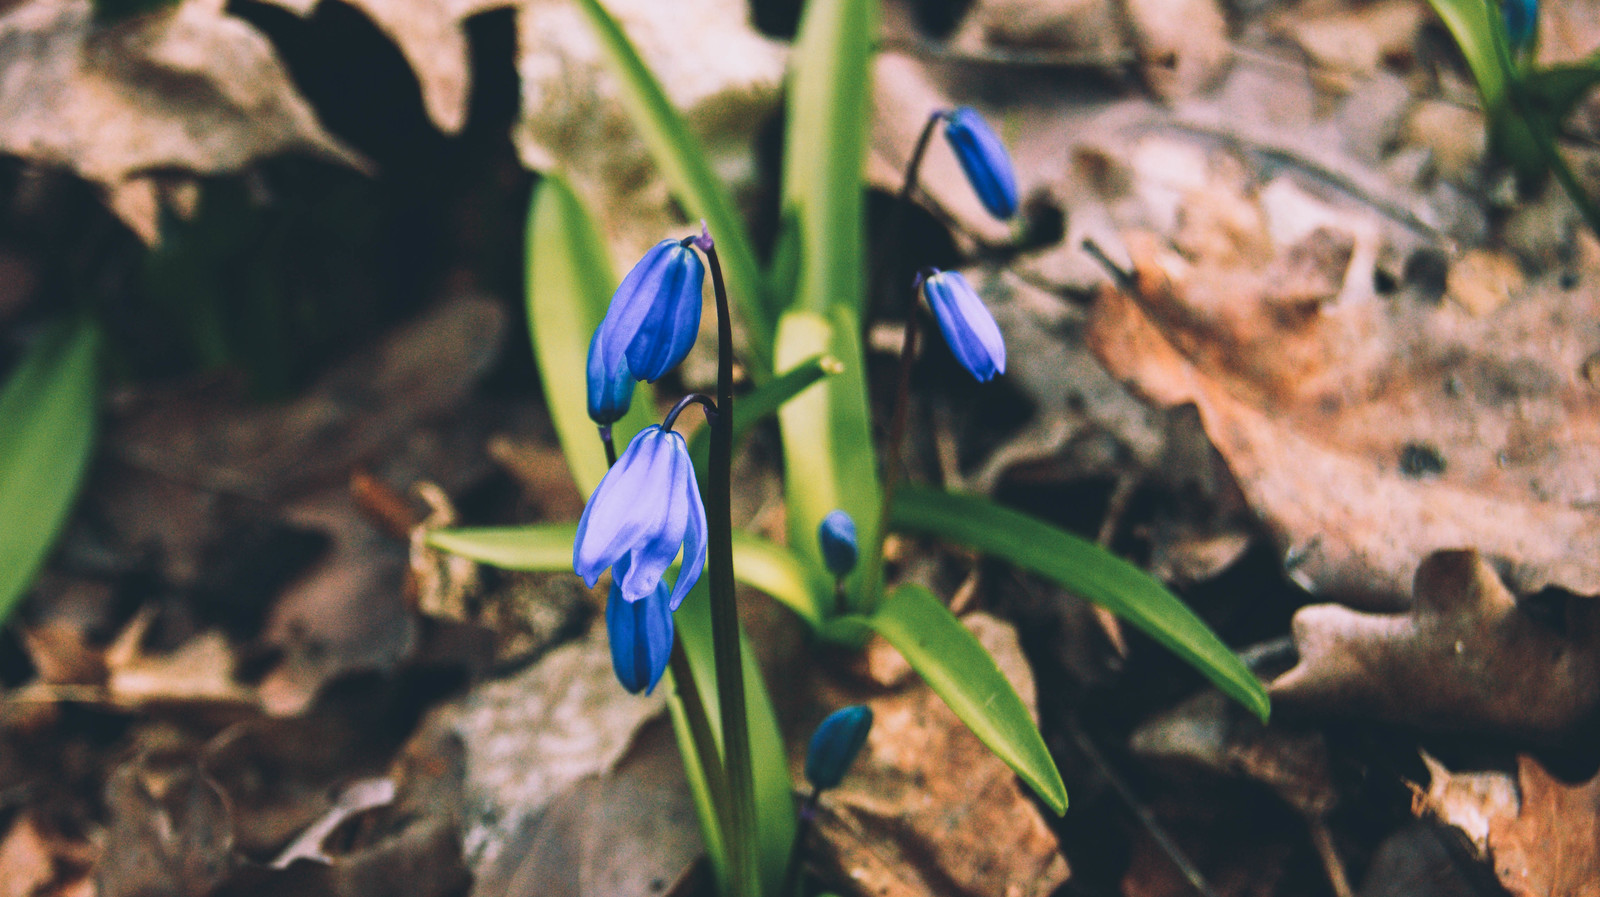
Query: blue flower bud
x=610 y=392
x=645 y=509
x=968 y=327
x=640 y=633
x=983 y=157
x=1522 y=21
x=837 y=535
x=654 y=316
x=835 y=744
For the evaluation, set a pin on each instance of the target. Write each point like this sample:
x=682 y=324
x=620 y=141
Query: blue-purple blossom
x=983 y=157
x=654 y=316
x=1522 y=21
x=610 y=391
x=968 y=327
x=640 y=633
x=645 y=509
x=835 y=744
x=837 y=536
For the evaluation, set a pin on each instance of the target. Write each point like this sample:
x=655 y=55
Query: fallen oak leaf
x=188 y=89
x=1466 y=657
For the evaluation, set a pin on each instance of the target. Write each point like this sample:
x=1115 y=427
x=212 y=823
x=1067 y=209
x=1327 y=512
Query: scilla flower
x=837 y=536
x=835 y=744
x=610 y=391
x=1522 y=20
x=645 y=509
x=968 y=327
x=983 y=157
x=653 y=317
x=640 y=633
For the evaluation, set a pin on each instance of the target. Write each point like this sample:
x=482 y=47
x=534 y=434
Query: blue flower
x=640 y=633
x=837 y=535
x=1522 y=20
x=653 y=317
x=968 y=327
x=983 y=157
x=610 y=391
x=645 y=509
x=835 y=744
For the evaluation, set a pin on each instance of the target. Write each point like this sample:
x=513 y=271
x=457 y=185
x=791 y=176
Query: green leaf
x=1555 y=91
x=1474 y=29
x=960 y=671
x=1086 y=570
x=774 y=795
x=827 y=444
x=547 y=547
x=764 y=401
x=682 y=161
x=824 y=155
x=569 y=284
x=47 y=427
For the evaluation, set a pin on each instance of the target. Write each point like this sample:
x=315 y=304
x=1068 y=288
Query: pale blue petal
x=672 y=321
x=694 y=543
x=626 y=508
x=968 y=328
x=655 y=551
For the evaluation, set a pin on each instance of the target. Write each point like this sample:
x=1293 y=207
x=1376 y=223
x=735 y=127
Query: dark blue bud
x=654 y=316
x=983 y=157
x=1522 y=21
x=968 y=327
x=835 y=744
x=640 y=633
x=610 y=392
x=837 y=535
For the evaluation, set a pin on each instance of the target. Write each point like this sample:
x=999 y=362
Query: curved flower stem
x=908 y=346
x=725 y=647
x=693 y=398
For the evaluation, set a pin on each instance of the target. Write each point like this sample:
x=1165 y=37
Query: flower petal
x=627 y=508
x=631 y=303
x=655 y=551
x=640 y=633
x=970 y=330
x=610 y=391
x=694 y=542
x=985 y=160
x=672 y=321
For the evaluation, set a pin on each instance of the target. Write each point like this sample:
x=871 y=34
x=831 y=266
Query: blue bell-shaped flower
x=645 y=509
x=837 y=536
x=654 y=316
x=610 y=391
x=640 y=633
x=983 y=157
x=968 y=327
x=1522 y=21
x=835 y=744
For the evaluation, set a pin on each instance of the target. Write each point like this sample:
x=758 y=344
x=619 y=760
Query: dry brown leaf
x=1465 y=657
x=1541 y=834
x=718 y=70
x=927 y=810
x=431 y=35
x=1370 y=433
x=26 y=861
x=176 y=842
x=189 y=90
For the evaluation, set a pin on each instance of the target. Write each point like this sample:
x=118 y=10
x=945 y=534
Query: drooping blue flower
x=640 y=633
x=1522 y=20
x=985 y=160
x=645 y=509
x=835 y=744
x=610 y=391
x=654 y=316
x=837 y=535
x=968 y=327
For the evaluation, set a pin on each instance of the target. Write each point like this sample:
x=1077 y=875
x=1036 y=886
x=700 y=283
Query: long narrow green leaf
x=825 y=152
x=827 y=444
x=959 y=670
x=547 y=547
x=763 y=402
x=774 y=797
x=569 y=283
x=1084 y=569
x=682 y=161
x=47 y=426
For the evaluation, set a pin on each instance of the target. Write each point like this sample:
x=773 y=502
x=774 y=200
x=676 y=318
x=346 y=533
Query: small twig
x=1322 y=839
x=1141 y=812
x=1125 y=280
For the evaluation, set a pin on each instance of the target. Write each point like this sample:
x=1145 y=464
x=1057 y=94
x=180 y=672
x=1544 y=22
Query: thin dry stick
x=1141 y=812
x=1322 y=840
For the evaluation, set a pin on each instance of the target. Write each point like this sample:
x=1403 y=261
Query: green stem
x=725 y=647
x=705 y=743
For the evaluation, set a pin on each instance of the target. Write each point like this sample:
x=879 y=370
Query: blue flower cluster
x=647 y=508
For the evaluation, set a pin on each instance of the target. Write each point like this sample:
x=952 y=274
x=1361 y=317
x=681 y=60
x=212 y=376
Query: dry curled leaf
x=1369 y=434
x=1465 y=657
x=1542 y=835
x=188 y=89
